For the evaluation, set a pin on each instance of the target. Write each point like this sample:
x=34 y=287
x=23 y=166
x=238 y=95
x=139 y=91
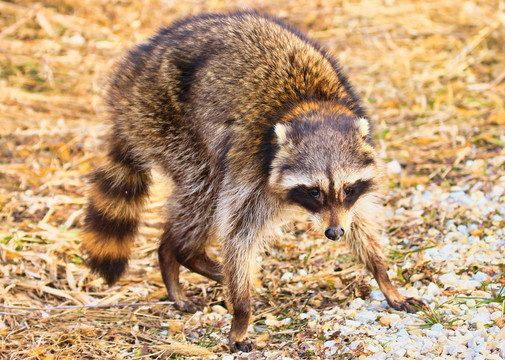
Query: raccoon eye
x=349 y=191
x=314 y=193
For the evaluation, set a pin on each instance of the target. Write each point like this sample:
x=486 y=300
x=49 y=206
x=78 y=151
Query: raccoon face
x=327 y=167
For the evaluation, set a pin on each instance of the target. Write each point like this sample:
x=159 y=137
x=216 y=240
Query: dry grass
x=432 y=74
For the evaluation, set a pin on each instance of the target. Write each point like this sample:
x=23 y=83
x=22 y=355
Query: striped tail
x=118 y=192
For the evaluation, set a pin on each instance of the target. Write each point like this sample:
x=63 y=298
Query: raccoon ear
x=280 y=130
x=363 y=127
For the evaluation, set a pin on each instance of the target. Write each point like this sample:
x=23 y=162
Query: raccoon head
x=329 y=168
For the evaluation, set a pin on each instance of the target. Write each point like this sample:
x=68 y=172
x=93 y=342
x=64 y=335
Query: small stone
x=496 y=315
x=456 y=349
x=330 y=345
x=286 y=276
x=357 y=303
x=385 y=320
x=472 y=343
x=196 y=318
x=441 y=339
x=437 y=328
x=77 y=39
x=481 y=318
x=379 y=356
x=494 y=357
x=480 y=276
x=219 y=309
x=365 y=316
x=449 y=279
x=462 y=339
x=483 y=310
x=398 y=353
x=373 y=348
x=302 y=272
x=354 y=345
x=394 y=167
x=377 y=295
x=427 y=344
x=228 y=357
x=353 y=324
x=211 y=317
x=433 y=290
x=468 y=285
x=411 y=292
x=286 y=321
x=499 y=338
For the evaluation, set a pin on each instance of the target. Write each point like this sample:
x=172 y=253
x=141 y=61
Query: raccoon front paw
x=245 y=346
x=408 y=304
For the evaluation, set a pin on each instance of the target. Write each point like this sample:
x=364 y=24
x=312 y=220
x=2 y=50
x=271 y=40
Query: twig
x=497 y=80
x=66 y=307
x=11 y=29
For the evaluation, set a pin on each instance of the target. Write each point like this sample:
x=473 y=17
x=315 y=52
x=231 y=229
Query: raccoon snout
x=333 y=233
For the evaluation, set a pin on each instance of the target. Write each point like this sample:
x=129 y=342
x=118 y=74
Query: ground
x=432 y=76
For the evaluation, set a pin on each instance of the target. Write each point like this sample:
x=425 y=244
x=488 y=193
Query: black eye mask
x=355 y=190
x=306 y=198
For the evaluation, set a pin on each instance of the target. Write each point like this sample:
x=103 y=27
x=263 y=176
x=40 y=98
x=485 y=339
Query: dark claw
x=245 y=346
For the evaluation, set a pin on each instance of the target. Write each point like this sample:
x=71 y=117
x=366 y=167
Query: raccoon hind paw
x=187 y=306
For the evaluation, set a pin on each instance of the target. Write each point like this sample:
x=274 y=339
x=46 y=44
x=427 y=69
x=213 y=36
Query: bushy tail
x=117 y=196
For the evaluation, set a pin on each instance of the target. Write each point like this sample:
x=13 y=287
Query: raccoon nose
x=333 y=233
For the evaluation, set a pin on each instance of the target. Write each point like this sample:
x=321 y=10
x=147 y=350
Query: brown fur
x=246 y=115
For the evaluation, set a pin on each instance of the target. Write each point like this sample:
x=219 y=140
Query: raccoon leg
x=241 y=224
x=170 y=261
x=118 y=191
x=170 y=273
x=394 y=298
x=239 y=257
x=204 y=265
x=365 y=246
x=184 y=241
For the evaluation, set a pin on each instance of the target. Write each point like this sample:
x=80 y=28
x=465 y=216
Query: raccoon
x=250 y=119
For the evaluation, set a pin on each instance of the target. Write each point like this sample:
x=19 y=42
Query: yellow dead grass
x=432 y=76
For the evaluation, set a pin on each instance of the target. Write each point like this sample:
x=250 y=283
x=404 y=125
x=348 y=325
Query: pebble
x=481 y=318
x=366 y=316
x=379 y=356
x=480 y=276
x=286 y=276
x=399 y=353
x=386 y=320
x=219 y=309
x=499 y=338
x=357 y=303
x=377 y=295
x=394 y=167
x=437 y=328
x=433 y=290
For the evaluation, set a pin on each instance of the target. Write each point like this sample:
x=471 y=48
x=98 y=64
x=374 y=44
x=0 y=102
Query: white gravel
x=462 y=243
x=468 y=249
